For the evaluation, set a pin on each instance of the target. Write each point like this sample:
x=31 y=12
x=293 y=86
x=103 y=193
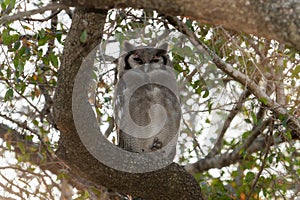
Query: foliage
x=219 y=113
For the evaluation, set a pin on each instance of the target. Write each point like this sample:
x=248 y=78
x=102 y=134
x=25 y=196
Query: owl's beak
x=146 y=67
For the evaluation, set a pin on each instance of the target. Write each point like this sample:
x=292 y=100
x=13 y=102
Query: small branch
x=188 y=79
x=195 y=141
x=22 y=138
x=20 y=15
x=252 y=144
x=45 y=19
x=262 y=166
x=259 y=144
x=110 y=127
x=216 y=149
x=23 y=97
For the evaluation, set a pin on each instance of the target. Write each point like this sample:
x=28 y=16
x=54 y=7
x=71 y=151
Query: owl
x=146 y=101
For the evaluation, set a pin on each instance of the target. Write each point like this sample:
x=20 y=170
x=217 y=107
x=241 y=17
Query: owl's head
x=145 y=58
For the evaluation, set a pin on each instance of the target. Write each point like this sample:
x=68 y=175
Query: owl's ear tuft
x=162 y=49
x=127 y=47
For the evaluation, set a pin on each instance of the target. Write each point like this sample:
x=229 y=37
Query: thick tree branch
x=279 y=20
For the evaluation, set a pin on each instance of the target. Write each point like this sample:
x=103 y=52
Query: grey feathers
x=147 y=109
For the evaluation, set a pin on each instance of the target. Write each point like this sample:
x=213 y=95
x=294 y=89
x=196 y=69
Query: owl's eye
x=137 y=59
x=155 y=60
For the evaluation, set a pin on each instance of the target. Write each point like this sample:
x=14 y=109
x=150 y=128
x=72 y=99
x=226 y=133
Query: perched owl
x=146 y=103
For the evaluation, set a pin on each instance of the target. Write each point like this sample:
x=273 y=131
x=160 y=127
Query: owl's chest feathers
x=152 y=91
x=140 y=103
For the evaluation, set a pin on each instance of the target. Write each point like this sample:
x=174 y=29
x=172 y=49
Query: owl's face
x=148 y=56
x=145 y=59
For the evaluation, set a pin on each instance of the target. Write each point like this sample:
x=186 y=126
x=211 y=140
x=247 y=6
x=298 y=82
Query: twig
x=195 y=141
x=216 y=149
x=20 y=15
x=45 y=19
x=262 y=165
x=110 y=127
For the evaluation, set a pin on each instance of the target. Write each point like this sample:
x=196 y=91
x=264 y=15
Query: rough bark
x=279 y=20
x=172 y=182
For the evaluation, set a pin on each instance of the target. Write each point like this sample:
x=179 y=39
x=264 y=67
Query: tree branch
x=218 y=146
x=33 y=149
x=251 y=145
x=277 y=20
x=53 y=164
x=20 y=15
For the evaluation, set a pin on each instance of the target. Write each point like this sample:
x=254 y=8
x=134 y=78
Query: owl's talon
x=156 y=144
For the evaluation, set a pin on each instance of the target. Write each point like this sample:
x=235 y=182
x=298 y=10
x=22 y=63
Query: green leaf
x=54 y=60
x=21 y=87
x=14 y=38
x=206 y=93
x=17 y=45
x=247 y=121
x=249 y=177
x=210 y=107
x=246 y=134
x=178 y=67
x=254 y=118
x=189 y=24
x=8 y=145
x=42 y=33
x=8 y=73
x=35 y=122
x=270 y=158
x=296 y=71
x=58 y=35
x=21 y=146
x=9 y=95
x=21 y=67
x=12 y=3
x=83 y=37
x=43 y=40
x=45 y=60
x=288 y=135
x=6 y=38
x=263 y=100
x=120 y=37
x=28 y=137
x=198 y=90
x=107 y=99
